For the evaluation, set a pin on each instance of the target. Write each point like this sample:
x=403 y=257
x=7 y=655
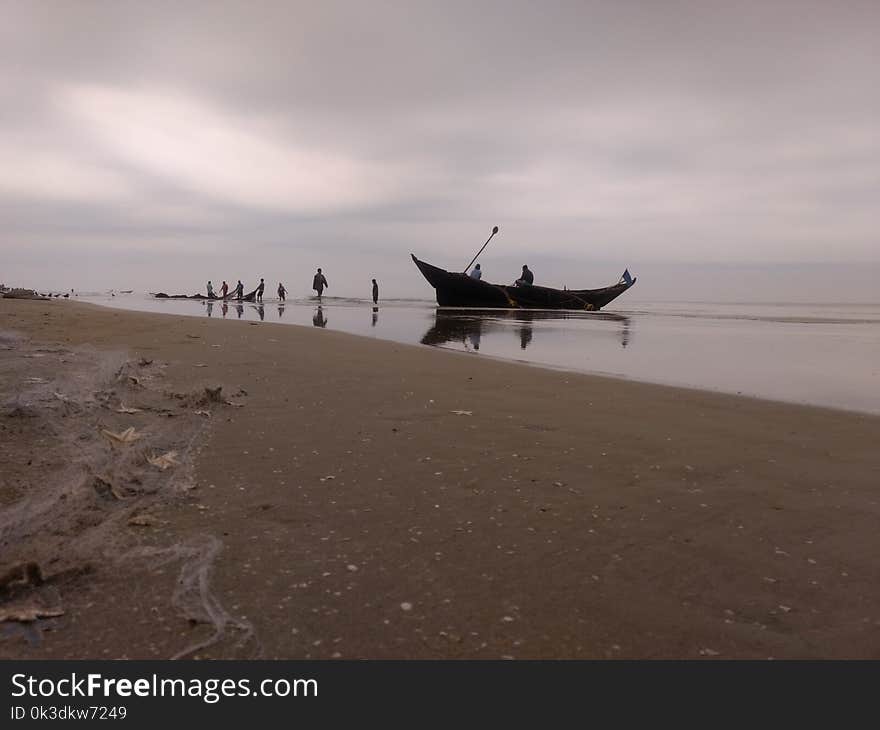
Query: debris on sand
x=106 y=489
x=143 y=521
x=462 y=413
x=215 y=395
x=143 y=362
x=164 y=461
x=22 y=573
x=125 y=409
x=126 y=437
x=28 y=612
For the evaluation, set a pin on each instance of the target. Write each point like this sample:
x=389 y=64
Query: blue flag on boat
x=627 y=278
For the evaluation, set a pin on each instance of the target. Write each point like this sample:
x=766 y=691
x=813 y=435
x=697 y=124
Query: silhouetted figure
x=224 y=290
x=477 y=273
x=260 y=289
x=282 y=292
x=261 y=312
x=210 y=288
x=319 y=283
x=319 y=320
x=375 y=315
x=526 y=279
x=239 y=290
x=375 y=292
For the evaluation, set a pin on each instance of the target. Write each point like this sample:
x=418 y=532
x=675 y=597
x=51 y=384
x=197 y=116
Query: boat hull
x=456 y=289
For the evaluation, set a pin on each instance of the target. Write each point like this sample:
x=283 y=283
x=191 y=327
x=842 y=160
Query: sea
x=819 y=354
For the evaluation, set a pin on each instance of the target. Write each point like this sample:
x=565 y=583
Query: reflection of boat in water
x=467 y=326
x=456 y=289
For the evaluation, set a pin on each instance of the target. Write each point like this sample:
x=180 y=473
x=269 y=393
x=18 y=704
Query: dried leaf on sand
x=125 y=437
x=165 y=460
x=143 y=521
x=28 y=612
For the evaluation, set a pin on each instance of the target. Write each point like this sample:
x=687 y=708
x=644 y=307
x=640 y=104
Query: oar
x=494 y=231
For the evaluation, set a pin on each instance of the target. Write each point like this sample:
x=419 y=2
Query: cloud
x=230 y=157
x=590 y=131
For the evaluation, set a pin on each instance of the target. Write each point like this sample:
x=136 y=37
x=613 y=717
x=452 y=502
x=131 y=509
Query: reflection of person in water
x=474 y=337
x=261 y=312
x=624 y=333
x=319 y=320
x=525 y=336
x=210 y=308
x=375 y=315
x=239 y=310
x=280 y=310
x=225 y=309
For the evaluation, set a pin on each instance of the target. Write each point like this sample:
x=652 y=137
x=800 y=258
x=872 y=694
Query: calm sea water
x=821 y=354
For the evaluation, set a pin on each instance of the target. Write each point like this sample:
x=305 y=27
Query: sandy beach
x=342 y=497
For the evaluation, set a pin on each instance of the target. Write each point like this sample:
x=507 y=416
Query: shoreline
x=379 y=500
x=539 y=365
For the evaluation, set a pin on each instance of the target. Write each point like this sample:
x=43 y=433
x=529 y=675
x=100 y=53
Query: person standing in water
x=375 y=292
x=282 y=292
x=239 y=290
x=210 y=290
x=260 y=289
x=224 y=290
x=319 y=282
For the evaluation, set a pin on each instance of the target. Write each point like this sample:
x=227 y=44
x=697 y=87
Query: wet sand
x=370 y=499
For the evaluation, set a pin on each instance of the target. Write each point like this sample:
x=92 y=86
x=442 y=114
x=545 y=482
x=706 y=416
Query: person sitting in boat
x=527 y=278
x=210 y=290
x=476 y=273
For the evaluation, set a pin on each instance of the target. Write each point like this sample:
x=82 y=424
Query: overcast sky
x=714 y=148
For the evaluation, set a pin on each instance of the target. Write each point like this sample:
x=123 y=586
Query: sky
x=726 y=150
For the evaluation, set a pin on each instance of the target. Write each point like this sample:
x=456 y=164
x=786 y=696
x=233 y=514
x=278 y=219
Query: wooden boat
x=455 y=289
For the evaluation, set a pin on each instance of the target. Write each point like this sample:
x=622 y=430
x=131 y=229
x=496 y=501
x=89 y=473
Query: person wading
x=319 y=283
